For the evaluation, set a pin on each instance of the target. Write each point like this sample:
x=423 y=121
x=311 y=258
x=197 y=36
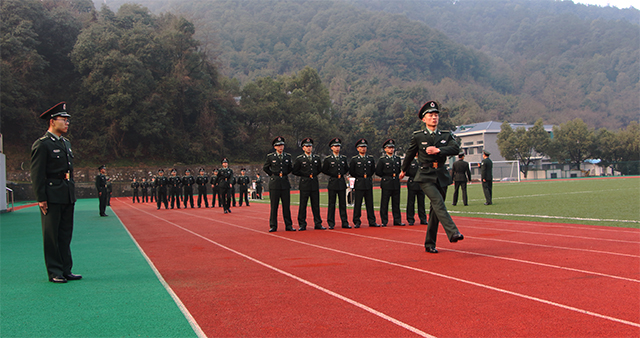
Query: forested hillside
x=195 y=80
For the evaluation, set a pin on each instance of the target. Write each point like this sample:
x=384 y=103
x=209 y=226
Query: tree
x=523 y=145
x=572 y=143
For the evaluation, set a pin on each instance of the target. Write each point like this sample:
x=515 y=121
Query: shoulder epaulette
x=418 y=131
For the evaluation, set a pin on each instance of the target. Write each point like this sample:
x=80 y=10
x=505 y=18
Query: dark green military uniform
x=153 y=189
x=486 y=174
x=414 y=191
x=144 y=188
x=362 y=168
x=388 y=168
x=202 y=181
x=52 y=181
x=187 y=187
x=243 y=182
x=103 y=191
x=278 y=166
x=461 y=175
x=433 y=175
x=136 y=190
x=225 y=179
x=308 y=167
x=162 y=183
x=336 y=166
x=258 y=187
x=174 y=189
x=215 y=189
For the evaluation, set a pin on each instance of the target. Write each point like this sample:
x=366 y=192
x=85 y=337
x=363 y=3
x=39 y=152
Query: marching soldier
x=225 y=177
x=202 y=181
x=53 y=185
x=258 y=186
x=389 y=168
x=144 y=186
x=308 y=166
x=362 y=167
x=187 y=182
x=215 y=189
x=161 y=183
x=101 y=186
x=135 y=185
x=278 y=165
x=174 y=188
x=154 y=191
x=244 y=182
x=335 y=166
x=415 y=192
x=486 y=174
x=433 y=146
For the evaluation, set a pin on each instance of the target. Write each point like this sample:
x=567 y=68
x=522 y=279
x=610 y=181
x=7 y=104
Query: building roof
x=490 y=127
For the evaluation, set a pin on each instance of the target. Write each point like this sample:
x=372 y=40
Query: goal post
x=507 y=171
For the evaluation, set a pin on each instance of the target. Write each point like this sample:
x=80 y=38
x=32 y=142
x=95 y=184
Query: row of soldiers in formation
x=174 y=190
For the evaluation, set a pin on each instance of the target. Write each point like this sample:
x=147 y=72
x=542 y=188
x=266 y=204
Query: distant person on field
x=103 y=191
x=461 y=175
x=486 y=174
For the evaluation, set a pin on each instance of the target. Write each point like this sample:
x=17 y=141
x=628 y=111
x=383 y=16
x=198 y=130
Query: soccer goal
x=506 y=171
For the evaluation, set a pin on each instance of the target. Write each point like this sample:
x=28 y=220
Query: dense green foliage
x=207 y=79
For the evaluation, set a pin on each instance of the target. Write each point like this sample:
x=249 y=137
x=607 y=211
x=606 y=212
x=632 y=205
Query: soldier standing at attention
x=433 y=146
x=135 y=185
x=308 y=166
x=388 y=168
x=101 y=186
x=362 y=167
x=225 y=177
x=187 y=182
x=144 y=185
x=202 y=181
x=415 y=192
x=258 y=186
x=162 y=183
x=335 y=166
x=244 y=181
x=232 y=192
x=174 y=188
x=278 y=165
x=53 y=185
x=461 y=175
x=486 y=173
x=215 y=189
x=153 y=189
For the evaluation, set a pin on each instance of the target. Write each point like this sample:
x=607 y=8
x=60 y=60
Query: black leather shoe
x=487 y=203
x=400 y=224
x=226 y=212
x=346 y=227
x=58 y=279
x=374 y=225
x=456 y=237
x=290 y=229
x=72 y=277
x=330 y=228
x=273 y=230
x=431 y=250
x=302 y=229
x=453 y=204
x=357 y=226
x=411 y=223
x=320 y=228
x=383 y=225
x=104 y=215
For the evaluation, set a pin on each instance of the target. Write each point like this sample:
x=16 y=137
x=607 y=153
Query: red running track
x=507 y=278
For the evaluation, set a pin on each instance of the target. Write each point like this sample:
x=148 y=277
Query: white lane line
x=545 y=216
x=302 y=280
x=536 y=299
x=632 y=231
x=194 y=324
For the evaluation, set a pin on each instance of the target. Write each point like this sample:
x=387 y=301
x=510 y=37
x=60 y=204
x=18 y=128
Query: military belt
x=62 y=176
x=431 y=164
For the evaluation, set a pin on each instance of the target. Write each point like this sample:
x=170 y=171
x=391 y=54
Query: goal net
x=506 y=171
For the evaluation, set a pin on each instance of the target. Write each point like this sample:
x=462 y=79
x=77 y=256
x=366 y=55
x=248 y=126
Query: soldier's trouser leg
x=421 y=209
x=463 y=187
x=384 y=206
x=315 y=208
x=57 y=229
x=437 y=214
x=395 y=206
x=342 y=206
x=102 y=200
x=455 y=192
x=358 y=194
x=368 y=201
x=302 y=208
x=331 y=208
x=411 y=209
x=487 y=187
x=276 y=196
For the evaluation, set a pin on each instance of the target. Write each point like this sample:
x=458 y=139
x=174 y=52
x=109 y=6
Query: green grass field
x=610 y=202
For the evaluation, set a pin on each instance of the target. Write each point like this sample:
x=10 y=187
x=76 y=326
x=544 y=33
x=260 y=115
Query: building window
x=471 y=151
x=480 y=142
x=468 y=143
